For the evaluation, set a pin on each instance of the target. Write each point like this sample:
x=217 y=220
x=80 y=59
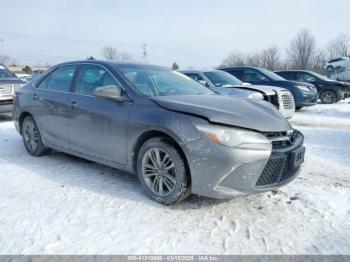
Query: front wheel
x=32 y=138
x=328 y=97
x=162 y=171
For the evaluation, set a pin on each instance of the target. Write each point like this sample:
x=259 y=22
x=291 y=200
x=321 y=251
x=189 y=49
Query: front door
x=98 y=127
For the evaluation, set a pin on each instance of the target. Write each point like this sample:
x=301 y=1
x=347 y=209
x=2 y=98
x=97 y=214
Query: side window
x=91 y=77
x=253 y=76
x=287 y=75
x=194 y=76
x=59 y=80
x=304 y=77
x=236 y=73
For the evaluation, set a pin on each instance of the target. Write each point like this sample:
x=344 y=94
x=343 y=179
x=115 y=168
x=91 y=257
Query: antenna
x=144 y=53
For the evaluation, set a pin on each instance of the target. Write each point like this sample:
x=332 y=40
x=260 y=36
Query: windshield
x=5 y=73
x=320 y=76
x=157 y=81
x=221 y=78
x=271 y=75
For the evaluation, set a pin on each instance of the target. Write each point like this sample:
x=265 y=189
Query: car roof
x=294 y=70
x=199 y=71
x=241 y=67
x=113 y=64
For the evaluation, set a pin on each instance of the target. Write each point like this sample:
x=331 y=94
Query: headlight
x=235 y=137
x=256 y=95
x=304 y=88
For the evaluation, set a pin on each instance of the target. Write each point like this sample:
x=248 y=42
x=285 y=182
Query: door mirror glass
x=110 y=92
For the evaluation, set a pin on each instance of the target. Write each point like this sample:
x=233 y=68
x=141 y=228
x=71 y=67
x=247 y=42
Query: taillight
x=14 y=97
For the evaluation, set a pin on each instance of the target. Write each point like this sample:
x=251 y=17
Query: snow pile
x=59 y=204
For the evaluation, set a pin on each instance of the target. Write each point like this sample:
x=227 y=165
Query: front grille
x=277 y=170
x=288 y=101
x=281 y=140
x=279 y=167
x=6 y=89
x=6 y=102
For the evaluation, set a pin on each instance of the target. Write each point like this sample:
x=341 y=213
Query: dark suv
x=9 y=83
x=329 y=91
x=304 y=94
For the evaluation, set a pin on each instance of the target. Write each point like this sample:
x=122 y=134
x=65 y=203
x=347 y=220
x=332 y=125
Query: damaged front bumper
x=224 y=172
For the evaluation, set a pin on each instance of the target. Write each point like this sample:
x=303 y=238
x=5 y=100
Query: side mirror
x=203 y=82
x=264 y=79
x=111 y=92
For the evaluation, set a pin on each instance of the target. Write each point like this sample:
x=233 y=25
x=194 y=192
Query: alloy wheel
x=328 y=97
x=30 y=135
x=159 y=172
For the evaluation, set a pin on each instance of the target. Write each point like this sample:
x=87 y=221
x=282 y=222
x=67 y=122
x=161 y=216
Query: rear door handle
x=73 y=104
x=35 y=97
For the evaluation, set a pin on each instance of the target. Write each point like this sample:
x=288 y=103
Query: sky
x=194 y=33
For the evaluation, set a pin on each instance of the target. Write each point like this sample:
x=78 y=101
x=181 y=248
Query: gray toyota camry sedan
x=176 y=135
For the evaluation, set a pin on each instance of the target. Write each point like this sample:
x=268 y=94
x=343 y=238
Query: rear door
x=50 y=102
x=98 y=127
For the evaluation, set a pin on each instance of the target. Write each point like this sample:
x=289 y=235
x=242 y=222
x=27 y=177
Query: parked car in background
x=225 y=83
x=337 y=63
x=339 y=69
x=176 y=135
x=9 y=83
x=329 y=91
x=23 y=76
x=304 y=94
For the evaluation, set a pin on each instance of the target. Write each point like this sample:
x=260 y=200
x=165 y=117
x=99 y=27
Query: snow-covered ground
x=59 y=204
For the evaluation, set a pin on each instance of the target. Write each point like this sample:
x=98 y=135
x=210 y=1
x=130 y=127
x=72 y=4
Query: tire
x=32 y=138
x=328 y=97
x=298 y=108
x=162 y=171
x=330 y=69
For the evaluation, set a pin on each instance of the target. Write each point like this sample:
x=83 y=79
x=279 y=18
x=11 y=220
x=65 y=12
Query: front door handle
x=73 y=104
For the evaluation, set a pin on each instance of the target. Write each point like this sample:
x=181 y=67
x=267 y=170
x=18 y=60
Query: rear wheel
x=330 y=69
x=32 y=138
x=162 y=171
x=328 y=97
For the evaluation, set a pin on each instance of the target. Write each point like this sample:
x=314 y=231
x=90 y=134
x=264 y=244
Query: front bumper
x=225 y=172
x=306 y=99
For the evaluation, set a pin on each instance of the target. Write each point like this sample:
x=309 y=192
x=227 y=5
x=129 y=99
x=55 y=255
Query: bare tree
x=339 y=47
x=252 y=60
x=319 y=60
x=271 y=58
x=124 y=57
x=110 y=53
x=6 y=60
x=301 y=50
x=234 y=59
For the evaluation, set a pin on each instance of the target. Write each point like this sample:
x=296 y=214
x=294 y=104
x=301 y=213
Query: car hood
x=267 y=90
x=295 y=83
x=334 y=82
x=246 y=113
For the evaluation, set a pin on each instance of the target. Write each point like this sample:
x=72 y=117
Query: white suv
x=339 y=68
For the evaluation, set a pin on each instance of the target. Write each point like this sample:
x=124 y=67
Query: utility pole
x=144 y=53
x=2 y=40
